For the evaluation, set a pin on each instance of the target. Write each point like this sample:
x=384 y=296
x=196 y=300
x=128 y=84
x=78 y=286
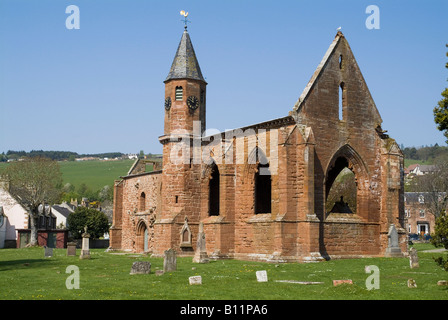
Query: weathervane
x=185 y=20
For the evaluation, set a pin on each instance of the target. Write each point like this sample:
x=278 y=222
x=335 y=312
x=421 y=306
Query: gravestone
x=141 y=267
x=412 y=283
x=442 y=283
x=339 y=282
x=85 y=251
x=194 y=280
x=71 y=249
x=200 y=256
x=413 y=258
x=170 y=261
x=48 y=252
x=393 y=249
x=262 y=276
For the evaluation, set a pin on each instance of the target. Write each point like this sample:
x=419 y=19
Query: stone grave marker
x=393 y=249
x=442 y=283
x=71 y=249
x=262 y=276
x=200 y=256
x=412 y=283
x=48 y=252
x=85 y=250
x=170 y=261
x=413 y=258
x=141 y=267
x=339 y=282
x=195 y=280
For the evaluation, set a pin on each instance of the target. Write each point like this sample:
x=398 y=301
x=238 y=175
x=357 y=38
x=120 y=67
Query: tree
x=96 y=222
x=441 y=111
x=32 y=182
x=440 y=238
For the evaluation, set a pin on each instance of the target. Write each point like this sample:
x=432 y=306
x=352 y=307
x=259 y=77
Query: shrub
x=96 y=222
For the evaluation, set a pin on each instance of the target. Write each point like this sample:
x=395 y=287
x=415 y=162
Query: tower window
x=179 y=94
x=202 y=96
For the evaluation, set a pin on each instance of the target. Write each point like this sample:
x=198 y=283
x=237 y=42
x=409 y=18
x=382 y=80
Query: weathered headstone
x=200 y=256
x=85 y=251
x=442 y=283
x=339 y=282
x=159 y=272
x=71 y=249
x=48 y=252
x=393 y=248
x=413 y=258
x=195 y=280
x=412 y=283
x=170 y=261
x=262 y=276
x=141 y=267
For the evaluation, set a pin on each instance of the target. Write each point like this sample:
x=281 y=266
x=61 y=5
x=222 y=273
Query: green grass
x=95 y=174
x=408 y=162
x=26 y=274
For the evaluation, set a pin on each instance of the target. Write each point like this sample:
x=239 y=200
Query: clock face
x=167 y=103
x=192 y=102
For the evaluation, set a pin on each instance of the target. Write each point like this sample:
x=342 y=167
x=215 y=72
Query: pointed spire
x=185 y=65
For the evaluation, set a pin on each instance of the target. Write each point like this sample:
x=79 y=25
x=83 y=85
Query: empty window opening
x=340 y=61
x=179 y=94
x=342 y=189
x=214 y=192
x=142 y=202
x=341 y=101
x=263 y=189
x=177 y=199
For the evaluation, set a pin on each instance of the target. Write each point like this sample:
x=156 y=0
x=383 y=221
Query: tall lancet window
x=214 y=192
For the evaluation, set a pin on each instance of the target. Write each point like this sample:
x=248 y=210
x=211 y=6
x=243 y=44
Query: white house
x=16 y=217
x=61 y=212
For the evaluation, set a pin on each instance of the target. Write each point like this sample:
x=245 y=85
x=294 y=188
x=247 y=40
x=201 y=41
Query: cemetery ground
x=27 y=274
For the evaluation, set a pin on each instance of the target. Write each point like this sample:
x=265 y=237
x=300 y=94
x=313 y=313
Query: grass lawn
x=26 y=274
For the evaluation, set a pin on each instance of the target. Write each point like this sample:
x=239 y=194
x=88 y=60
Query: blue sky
x=100 y=88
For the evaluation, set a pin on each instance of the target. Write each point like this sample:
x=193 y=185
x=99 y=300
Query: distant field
x=408 y=162
x=95 y=174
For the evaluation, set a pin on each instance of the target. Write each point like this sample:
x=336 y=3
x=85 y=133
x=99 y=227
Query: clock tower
x=185 y=91
x=184 y=107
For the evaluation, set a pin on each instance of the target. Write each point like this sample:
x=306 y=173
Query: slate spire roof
x=185 y=65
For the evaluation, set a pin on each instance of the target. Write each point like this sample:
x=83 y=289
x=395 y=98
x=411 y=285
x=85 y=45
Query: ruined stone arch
x=347 y=157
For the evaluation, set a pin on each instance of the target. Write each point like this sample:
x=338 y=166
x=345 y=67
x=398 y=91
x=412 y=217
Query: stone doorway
x=142 y=239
